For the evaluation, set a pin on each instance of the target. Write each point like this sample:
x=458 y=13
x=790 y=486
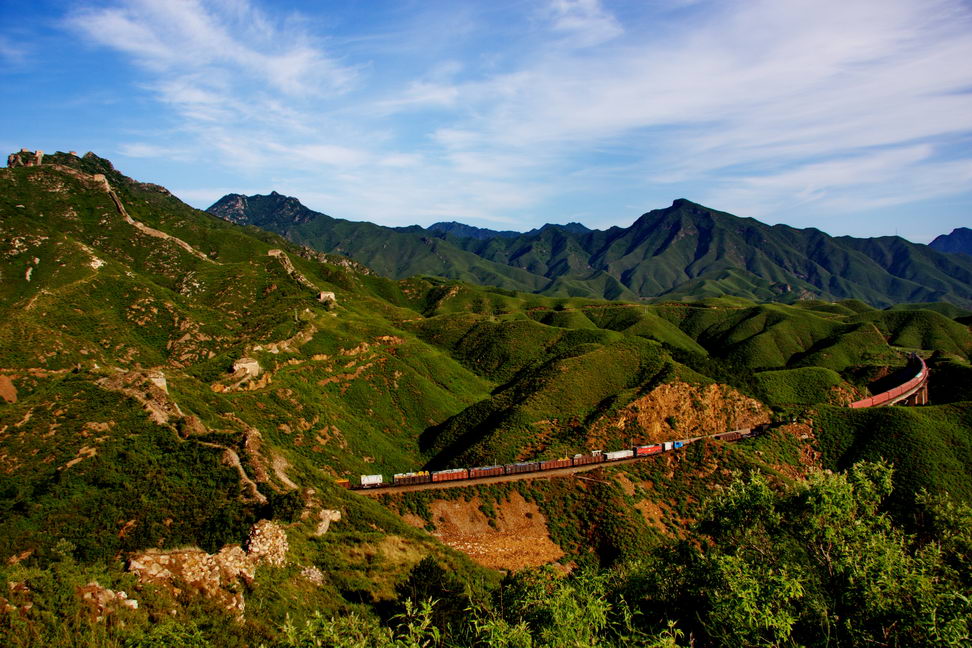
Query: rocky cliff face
x=678 y=410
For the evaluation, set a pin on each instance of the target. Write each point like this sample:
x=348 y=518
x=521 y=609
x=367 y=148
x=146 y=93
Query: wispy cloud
x=231 y=35
x=10 y=53
x=761 y=106
x=585 y=22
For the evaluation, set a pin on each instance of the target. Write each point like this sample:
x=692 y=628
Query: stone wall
x=218 y=576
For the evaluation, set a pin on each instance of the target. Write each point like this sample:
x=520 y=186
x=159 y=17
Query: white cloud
x=146 y=150
x=401 y=160
x=230 y=35
x=585 y=22
x=341 y=156
x=13 y=54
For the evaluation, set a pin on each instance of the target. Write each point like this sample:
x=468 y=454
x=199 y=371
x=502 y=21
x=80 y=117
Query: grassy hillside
x=803 y=386
x=929 y=447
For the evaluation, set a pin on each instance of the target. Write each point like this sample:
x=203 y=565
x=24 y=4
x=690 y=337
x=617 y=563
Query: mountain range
x=685 y=251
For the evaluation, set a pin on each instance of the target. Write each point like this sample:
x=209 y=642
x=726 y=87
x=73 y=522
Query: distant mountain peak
x=271 y=211
x=462 y=230
x=959 y=241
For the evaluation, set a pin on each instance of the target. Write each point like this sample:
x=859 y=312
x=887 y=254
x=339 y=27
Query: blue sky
x=852 y=117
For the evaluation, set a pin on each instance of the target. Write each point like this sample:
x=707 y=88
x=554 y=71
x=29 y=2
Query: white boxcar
x=619 y=454
x=370 y=481
x=667 y=445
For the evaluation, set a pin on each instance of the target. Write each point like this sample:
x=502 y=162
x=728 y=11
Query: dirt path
x=515 y=538
x=7 y=390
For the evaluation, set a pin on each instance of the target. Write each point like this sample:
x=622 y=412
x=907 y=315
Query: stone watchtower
x=25 y=158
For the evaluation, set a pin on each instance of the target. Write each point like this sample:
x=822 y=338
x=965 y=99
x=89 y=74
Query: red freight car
x=644 y=451
x=517 y=468
x=485 y=471
x=552 y=464
x=343 y=483
x=404 y=479
x=583 y=460
x=450 y=474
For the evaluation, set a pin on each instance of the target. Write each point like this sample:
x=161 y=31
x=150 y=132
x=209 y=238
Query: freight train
x=595 y=457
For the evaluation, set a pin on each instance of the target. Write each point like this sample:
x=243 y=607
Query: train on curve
x=480 y=472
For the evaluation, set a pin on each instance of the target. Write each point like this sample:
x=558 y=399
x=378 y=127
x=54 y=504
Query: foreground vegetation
x=811 y=564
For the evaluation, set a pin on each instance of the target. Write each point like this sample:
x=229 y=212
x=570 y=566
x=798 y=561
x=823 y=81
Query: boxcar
x=450 y=475
x=421 y=477
x=729 y=436
x=643 y=451
x=617 y=455
x=552 y=464
x=485 y=471
x=583 y=459
x=343 y=483
x=517 y=468
x=370 y=481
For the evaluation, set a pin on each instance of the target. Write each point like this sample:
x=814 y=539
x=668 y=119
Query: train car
x=343 y=483
x=582 y=459
x=552 y=464
x=371 y=481
x=645 y=450
x=486 y=471
x=728 y=436
x=450 y=475
x=617 y=455
x=523 y=467
x=405 y=479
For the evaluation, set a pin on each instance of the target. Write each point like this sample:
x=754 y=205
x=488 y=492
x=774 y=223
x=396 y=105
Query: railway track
x=540 y=474
x=910 y=389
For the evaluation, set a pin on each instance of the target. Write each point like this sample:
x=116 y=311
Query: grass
x=803 y=386
x=929 y=447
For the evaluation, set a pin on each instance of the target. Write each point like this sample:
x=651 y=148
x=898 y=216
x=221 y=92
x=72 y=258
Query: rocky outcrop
x=147 y=387
x=267 y=544
x=324 y=296
x=102 y=602
x=678 y=410
x=246 y=368
x=334 y=260
x=220 y=576
x=326 y=516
